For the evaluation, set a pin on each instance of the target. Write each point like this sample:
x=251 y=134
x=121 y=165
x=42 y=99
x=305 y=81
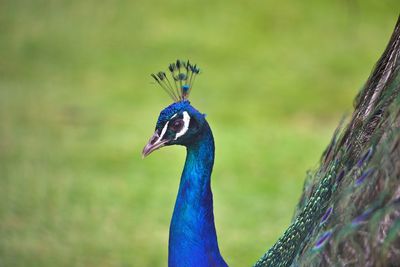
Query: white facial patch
x=186 y=120
x=163 y=131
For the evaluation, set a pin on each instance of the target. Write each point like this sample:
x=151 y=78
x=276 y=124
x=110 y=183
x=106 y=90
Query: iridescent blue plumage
x=193 y=238
x=172 y=109
x=349 y=212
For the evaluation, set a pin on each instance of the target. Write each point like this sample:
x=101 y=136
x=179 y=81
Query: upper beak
x=153 y=144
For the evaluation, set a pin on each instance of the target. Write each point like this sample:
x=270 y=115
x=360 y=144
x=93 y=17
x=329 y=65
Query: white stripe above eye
x=186 y=120
x=163 y=131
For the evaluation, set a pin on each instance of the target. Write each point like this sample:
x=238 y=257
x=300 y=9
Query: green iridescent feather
x=349 y=212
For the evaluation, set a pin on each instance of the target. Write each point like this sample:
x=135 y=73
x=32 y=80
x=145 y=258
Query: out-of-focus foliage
x=77 y=105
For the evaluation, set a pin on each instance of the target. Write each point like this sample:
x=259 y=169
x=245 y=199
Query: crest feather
x=183 y=75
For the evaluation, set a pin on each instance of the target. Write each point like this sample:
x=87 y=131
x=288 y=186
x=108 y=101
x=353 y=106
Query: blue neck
x=193 y=239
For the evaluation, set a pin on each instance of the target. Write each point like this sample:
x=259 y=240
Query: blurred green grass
x=77 y=105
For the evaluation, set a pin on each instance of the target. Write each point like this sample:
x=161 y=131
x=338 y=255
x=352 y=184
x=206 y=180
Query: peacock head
x=179 y=123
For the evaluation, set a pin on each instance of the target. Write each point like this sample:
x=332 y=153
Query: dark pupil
x=177 y=125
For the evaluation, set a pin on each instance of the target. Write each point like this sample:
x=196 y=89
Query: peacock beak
x=154 y=143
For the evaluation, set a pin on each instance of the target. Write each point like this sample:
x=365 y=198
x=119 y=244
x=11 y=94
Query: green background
x=77 y=105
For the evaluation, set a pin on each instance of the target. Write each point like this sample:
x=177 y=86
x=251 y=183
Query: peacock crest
x=183 y=74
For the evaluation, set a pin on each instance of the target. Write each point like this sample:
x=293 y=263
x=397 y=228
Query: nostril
x=153 y=140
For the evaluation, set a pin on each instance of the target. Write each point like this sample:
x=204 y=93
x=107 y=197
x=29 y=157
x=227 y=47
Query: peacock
x=349 y=211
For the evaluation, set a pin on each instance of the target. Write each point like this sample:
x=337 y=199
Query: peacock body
x=349 y=212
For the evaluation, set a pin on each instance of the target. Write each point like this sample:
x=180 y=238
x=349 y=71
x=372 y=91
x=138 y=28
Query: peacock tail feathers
x=349 y=212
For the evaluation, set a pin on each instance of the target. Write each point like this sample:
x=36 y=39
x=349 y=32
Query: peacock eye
x=177 y=125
